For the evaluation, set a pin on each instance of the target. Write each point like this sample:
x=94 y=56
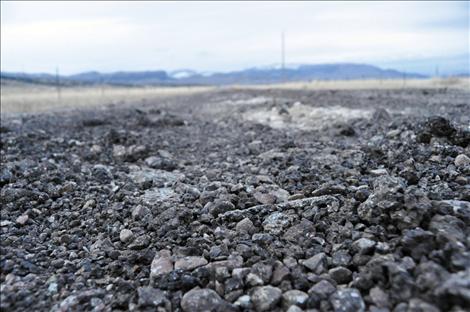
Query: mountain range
x=272 y=74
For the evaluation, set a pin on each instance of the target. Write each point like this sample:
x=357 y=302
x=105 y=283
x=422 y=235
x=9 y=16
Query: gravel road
x=240 y=200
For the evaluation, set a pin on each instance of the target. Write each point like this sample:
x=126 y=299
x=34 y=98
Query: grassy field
x=455 y=83
x=18 y=98
x=22 y=97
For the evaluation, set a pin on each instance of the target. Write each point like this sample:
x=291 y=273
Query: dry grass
x=21 y=97
x=393 y=84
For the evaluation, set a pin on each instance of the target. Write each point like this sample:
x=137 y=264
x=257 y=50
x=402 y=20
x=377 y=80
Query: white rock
x=21 y=220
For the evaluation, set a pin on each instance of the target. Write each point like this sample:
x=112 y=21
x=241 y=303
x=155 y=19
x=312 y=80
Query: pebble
x=190 y=263
x=202 y=300
x=245 y=226
x=363 y=246
x=126 y=236
x=462 y=161
x=161 y=265
x=265 y=298
x=347 y=300
x=340 y=275
x=294 y=297
x=317 y=264
x=22 y=220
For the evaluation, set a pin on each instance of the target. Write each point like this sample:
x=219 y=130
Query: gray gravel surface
x=185 y=205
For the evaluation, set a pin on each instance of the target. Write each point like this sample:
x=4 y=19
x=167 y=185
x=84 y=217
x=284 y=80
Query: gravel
x=186 y=204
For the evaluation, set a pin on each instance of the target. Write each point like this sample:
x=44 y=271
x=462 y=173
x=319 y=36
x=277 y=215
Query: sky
x=223 y=36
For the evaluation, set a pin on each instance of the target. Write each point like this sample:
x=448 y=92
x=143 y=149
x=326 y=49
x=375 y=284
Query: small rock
x=265 y=199
x=323 y=289
x=266 y=298
x=347 y=300
x=294 y=308
x=5 y=223
x=341 y=275
x=140 y=212
x=456 y=289
x=220 y=207
x=254 y=280
x=22 y=220
x=263 y=270
x=379 y=172
x=418 y=242
x=417 y=304
x=126 y=236
x=276 y=222
x=245 y=226
x=140 y=242
x=149 y=296
x=190 y=263
x=262 y=238
x=439 y=126
x=89 y=203
x=317 y=264
x=53 y=288
x=294 y=297
x=243 y=302
x=462 y=161
x=341 y=258
x=379 y=297
x=280 y=273
x=240 y=273
x=202 y=300
x=363 y=246
x=161 y=264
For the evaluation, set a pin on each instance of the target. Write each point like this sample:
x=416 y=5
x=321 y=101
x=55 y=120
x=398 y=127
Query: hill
x=343 y=71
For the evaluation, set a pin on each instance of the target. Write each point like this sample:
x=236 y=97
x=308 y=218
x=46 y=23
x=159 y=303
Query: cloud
x=210 y=36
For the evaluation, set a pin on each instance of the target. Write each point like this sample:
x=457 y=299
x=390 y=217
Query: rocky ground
x=339 y=201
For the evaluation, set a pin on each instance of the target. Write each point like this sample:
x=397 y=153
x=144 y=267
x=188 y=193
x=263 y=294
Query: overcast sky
x=210 y=36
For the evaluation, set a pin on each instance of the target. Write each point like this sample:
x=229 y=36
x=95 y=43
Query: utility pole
x=283 y=56
x=57 y=82
x=102 y=85
x=437 y=71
